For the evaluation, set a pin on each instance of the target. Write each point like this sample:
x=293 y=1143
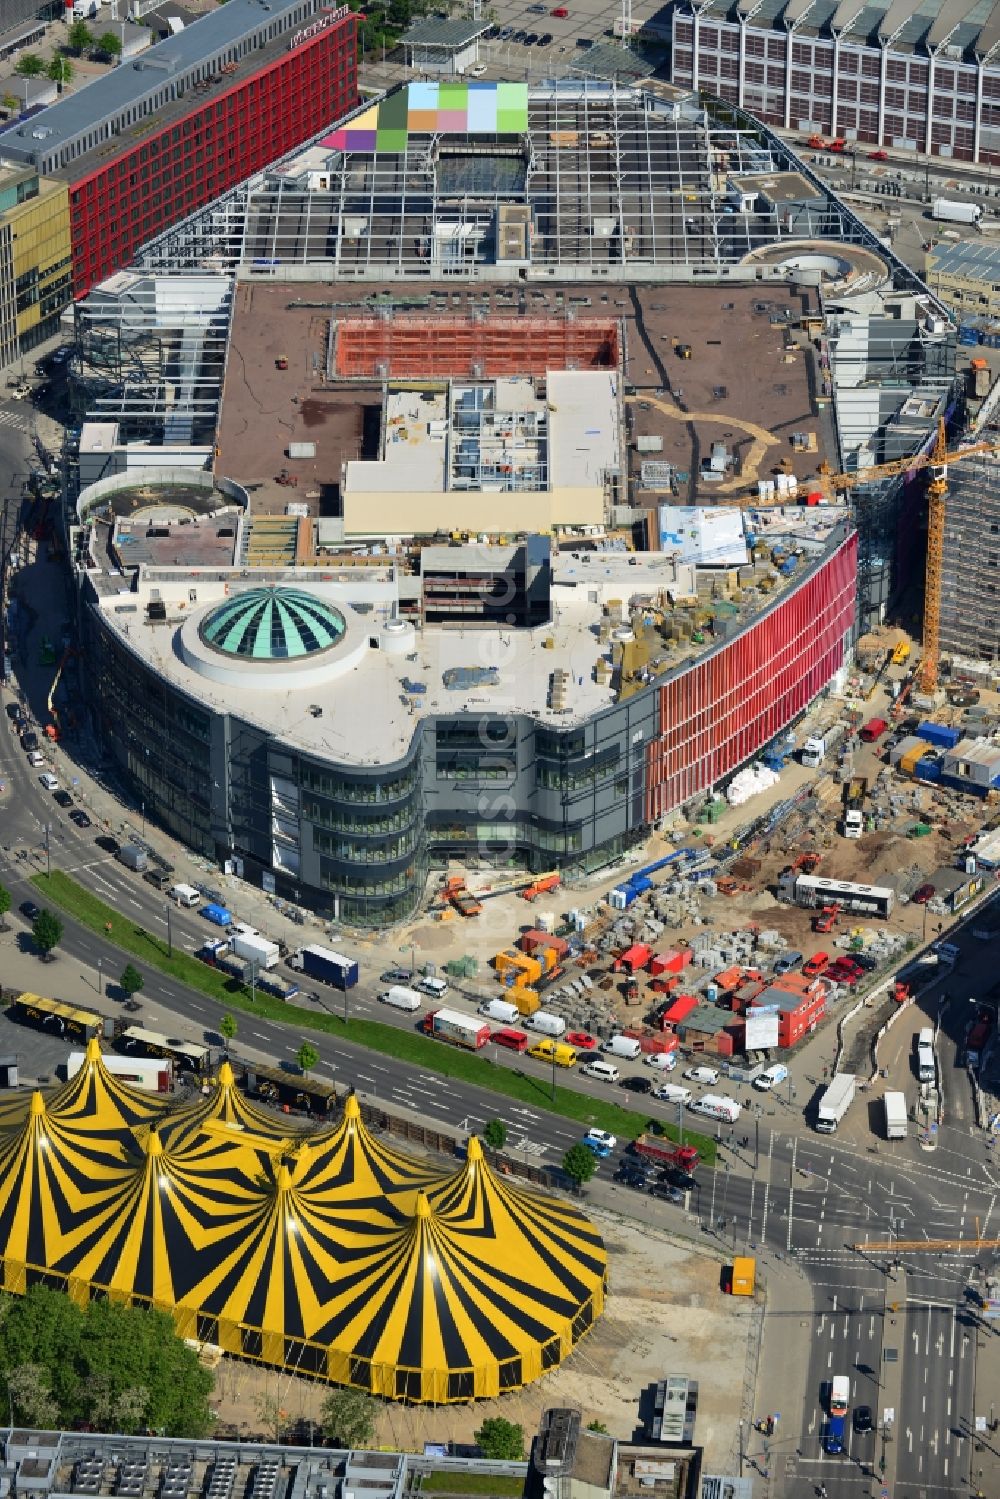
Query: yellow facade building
x=35 y=259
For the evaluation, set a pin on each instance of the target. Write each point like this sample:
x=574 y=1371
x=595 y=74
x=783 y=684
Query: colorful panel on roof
x=435 y=109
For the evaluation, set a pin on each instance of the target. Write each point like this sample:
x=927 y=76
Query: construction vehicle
x=827 y=918
x=807 y=863
x=937 y=460
x=541 y=886
x=455 y=893
x=665 y=1152
x=901 y=654
x=854 y=799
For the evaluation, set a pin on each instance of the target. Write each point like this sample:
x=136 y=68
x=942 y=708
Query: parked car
x=637 y=1084
x=49 y=781
x=511 y=1039
x=531 y=38
x=29 y=910
x=678 y=1178
x=863 y=1418
x=816 y=964
x=63 y=798
x=702 y=1075
x=545 y=39
x=866 y=963
x=923 y=894
x=663 y=1061
x=395 y=976
x=630 y=1175
x=477 y=70
x=560 y=12
x=15 y=712
x=582 y=1040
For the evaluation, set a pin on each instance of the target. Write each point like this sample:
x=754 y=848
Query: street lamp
x=170 y=939
x=100 y=976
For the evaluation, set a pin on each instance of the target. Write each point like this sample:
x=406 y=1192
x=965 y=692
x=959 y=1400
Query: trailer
x=150 y=1074
x=459 y=1029
x=256 y=950
x=948 y=211
x=835 y=1102
x=326 y=965
x=895 y=1116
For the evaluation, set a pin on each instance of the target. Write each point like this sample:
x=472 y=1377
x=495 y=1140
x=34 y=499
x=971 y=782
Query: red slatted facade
x=729 y=706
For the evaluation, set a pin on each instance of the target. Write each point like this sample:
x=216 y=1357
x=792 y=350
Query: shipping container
x=327 y=966
x=942 y=735
x=150 y=1074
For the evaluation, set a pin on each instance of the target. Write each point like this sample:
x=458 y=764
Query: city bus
x=287 y=1090
x=187 y=1056
x=56 y=1017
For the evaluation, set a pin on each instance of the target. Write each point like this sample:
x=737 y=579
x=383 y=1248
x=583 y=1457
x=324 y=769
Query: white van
x=622 y=1046
x=925 y=1037
x=926 y=1070
x=672 y=1093
x=401 y=998
x=605 y=1072
x=717 y=1106
x=501 y=1010
x=661 y=1061
x=770 y=1078
x=185 y=895
x=436 y=988
x=547 y=1023
x=49 y=781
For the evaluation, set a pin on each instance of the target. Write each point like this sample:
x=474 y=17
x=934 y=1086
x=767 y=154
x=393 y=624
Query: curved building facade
x=336 y=751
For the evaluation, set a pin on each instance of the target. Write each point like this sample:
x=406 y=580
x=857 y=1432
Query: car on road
x=666 y=1192
x=863 y=1418
x=637 y=1084
x=631 y=1175
x=36 y=758
x=815 y=964
x=395 y=976
x=677 y=1177
x=29 y=740
x=49 y=781
x=531 y=38
x=545 y=39
x=701 y=1075
x=582 y=1040
x=560 y=12
x=923 y=894
x=79 y=816
x=601 y=1151
x=63 y=798
x=601 y=1137
x=878 y=156
x=15 y=712
x=29 y=910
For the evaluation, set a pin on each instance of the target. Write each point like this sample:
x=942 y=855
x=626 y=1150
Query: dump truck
x=835 y=1102
x=665 y=1152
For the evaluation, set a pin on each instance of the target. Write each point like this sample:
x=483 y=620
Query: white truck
x=257 y=950
x=835 y=1102
x=895 y=1116
x=947 y=211
x=818 y=746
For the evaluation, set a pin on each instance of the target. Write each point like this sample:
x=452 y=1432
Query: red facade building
x=228 y=134
x=730 y=704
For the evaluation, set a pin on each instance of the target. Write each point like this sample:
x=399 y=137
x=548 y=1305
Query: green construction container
x=919 y=830
x=712 y=811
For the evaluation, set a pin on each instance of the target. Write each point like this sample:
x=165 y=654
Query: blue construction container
x=927 y=770
x=940 y=734
x=967 y=335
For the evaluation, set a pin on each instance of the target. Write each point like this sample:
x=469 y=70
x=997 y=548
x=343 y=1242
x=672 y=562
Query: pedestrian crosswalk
x=12 y=419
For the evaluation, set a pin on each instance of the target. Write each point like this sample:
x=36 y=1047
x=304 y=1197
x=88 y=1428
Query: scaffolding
x=386 y=346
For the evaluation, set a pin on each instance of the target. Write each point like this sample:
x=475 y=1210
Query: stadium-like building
x=328 y=1253
x=468 y=590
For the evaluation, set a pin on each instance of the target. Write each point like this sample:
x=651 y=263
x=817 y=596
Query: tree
x=598 y=1427
x=29 y=65
x=10 y=103
x=579 y=1164
x=31 y=1397
x=103 y=1363
x=270 y=1414
x=60 y=71
x=495 y=1134
x=227 y=1029
x=307 y=1056
x=109 y=45
x=131 y=980
x=46 y=932
x=79 y=38
x=348 y=1418
x=5 y=904
x=501 y=1439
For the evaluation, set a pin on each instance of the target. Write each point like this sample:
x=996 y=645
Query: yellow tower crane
x=937 y=460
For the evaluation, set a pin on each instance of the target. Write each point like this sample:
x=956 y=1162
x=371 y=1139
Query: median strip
x=446 y=1061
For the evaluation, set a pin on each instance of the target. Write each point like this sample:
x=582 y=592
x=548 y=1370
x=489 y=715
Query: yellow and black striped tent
x=328 y=1253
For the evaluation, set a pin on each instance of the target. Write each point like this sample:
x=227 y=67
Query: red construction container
x=655 y=1043
x=634 y=959
x=528 y=941
x=729 y=979
x=677 y=1013
x=674 y=960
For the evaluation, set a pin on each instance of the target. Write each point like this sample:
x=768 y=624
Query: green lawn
x=150 y=952
x=472 y=1483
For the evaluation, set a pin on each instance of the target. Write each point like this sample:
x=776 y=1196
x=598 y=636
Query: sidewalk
x=984 y=1462
x=783 y=1377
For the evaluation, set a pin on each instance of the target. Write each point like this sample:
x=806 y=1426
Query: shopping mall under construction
x=460 y=487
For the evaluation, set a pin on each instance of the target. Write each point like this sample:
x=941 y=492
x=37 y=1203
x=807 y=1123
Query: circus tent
x=330 y=1253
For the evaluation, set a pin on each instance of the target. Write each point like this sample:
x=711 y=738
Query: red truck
x=873 y=729
x=459 y=1029
x=665 y=1152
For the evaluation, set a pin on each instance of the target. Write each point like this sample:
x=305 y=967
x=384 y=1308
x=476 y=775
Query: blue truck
x=217 y=914
x=833 y=1437
x=326 y=965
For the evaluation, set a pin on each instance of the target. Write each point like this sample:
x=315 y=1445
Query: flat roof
x=434 y=31
x=130 y=84
x=970 y=260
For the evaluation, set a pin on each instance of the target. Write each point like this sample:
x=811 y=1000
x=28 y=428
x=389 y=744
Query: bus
x=56 y=1017
x=288 y=1090
x=187 y=1056
x=811 y=890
